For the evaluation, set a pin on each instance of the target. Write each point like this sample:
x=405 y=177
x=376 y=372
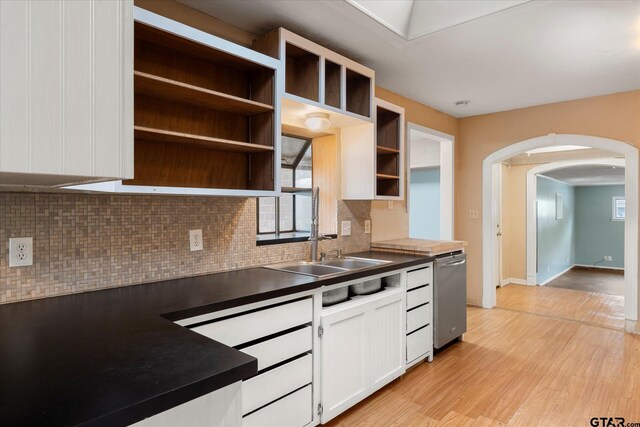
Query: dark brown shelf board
x=386 y=150
x=152 y=85
x=296 y=190
x=384 y=176
x=161 y=135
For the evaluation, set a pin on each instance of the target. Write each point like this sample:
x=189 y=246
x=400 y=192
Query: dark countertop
x=114 y=357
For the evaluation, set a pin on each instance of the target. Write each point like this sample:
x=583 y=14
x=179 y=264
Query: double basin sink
x=335 y=267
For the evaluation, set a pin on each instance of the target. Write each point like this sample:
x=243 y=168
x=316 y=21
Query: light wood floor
x=590 y=307
x=589 y=279
x=515 y=369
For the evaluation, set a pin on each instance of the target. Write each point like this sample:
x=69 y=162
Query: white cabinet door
x=387 y=330
x=344 y=355
x=66 y=91
x=362 y=349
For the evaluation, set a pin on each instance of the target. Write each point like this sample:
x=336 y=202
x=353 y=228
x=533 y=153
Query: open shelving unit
x=379 y=171
x=389 y=148
x=319 y=77
x=205 y=112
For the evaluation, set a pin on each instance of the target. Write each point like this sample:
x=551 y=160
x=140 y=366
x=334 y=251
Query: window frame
x=614 y=216
x=288 y=190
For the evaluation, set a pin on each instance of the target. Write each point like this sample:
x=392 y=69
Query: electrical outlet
x=367 y=226
x=474 y=213
x=390 y=204
x=20 y=251
x=346 y=228
x=195 y=240
x=608 y=258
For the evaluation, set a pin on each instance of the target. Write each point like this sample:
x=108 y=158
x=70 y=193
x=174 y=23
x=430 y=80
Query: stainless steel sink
x=353 y=263
x=326 y=268
x=310 y=269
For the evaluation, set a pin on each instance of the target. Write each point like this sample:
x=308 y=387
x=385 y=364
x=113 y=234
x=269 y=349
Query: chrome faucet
x=315 y=208
x=315 y=236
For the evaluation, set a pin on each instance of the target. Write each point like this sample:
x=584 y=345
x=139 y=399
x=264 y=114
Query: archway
x=630 y=154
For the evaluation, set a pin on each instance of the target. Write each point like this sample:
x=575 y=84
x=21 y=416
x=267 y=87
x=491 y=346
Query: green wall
x=596 y=235
x=556 y=237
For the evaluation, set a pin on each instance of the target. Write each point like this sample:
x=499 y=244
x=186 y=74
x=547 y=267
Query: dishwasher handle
x=453 y=264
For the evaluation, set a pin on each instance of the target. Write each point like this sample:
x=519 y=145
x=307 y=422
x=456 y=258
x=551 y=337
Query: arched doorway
x=630 y=154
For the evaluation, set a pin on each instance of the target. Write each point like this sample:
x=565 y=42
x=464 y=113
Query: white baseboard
x=557 y=275
x=604 y=267
x=513 y=281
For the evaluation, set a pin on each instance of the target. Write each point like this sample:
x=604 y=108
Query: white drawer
x=416 y=297
x=248 y=327
x=418 y=317
x=419 y=343
x=281 y=348
x=273 y=384
x=294 y=410
x=420 y=277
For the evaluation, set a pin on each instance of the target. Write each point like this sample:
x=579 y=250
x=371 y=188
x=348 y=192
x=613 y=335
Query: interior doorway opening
x=491 y=274
x=429 y=183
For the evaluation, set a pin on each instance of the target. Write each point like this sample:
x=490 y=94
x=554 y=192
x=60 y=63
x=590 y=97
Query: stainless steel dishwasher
x=450 y=298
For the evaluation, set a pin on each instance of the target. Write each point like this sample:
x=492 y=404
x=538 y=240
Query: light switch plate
x=20 y=251
x=390 y=204
x=195 y=240
x=367 y=226
x=346 y=228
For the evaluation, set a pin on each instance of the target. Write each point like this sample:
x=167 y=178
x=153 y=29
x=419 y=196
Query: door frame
x=532 y=189
x=447 y=151
x=630 y=154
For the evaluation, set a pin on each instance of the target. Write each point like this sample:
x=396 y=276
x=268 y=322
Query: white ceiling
x=533 y=53
x=414 y=18
x=589 y=175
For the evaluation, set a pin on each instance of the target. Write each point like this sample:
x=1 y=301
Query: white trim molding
x=630 y=154
x=512 y=281
x=447 y=147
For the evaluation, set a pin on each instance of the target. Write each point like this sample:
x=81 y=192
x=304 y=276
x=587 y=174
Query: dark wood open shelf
x=388 y=164
x=358 y=93
x=388 y=187
x=382 y=176
x=387 y=129
x=302 y=72
x=172 y=90
x=332 y=83
x=203 y=118
x=386 y=150
x=161 y=135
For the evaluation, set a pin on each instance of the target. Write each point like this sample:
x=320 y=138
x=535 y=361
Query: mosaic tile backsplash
x=88 y=242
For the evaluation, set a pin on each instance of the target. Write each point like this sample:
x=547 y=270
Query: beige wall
x=615 y=116
x=514 y=221
x=394 y=223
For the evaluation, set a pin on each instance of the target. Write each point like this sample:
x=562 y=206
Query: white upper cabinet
x=373 y=156
x=66 y=91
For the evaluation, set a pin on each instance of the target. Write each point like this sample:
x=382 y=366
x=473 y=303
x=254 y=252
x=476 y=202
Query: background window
x=618 y=209
x=292 y=211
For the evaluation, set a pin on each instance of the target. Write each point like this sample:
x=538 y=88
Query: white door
x=496 y=219
x=387 y=329
x=344 y=357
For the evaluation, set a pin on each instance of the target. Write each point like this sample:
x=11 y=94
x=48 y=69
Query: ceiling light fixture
x=317 y=122
x=462 y=103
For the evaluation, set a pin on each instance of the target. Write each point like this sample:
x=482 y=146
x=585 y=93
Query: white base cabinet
x=361 y=349
x=220 y=408
x=419 y=321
